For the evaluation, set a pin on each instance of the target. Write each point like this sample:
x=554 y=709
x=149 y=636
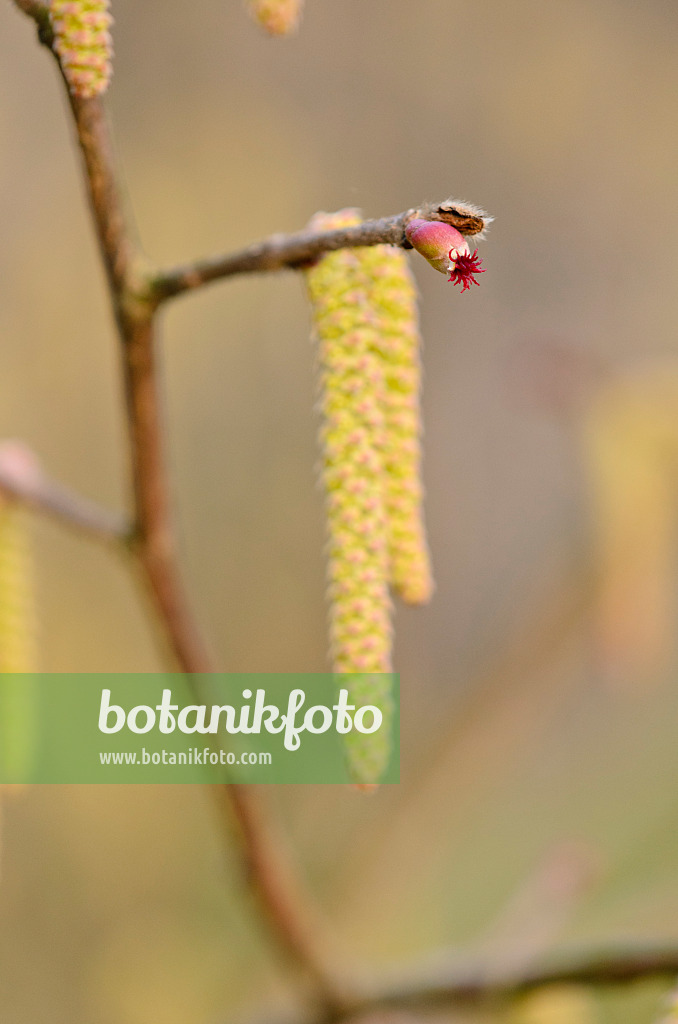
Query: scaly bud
x=394 y=302
x=446 y=250
x=82 y=42
x=277 y=17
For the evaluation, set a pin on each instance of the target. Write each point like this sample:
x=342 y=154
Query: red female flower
x=465 y=267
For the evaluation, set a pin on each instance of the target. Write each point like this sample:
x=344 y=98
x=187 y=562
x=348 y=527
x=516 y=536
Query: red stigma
x=466 y=266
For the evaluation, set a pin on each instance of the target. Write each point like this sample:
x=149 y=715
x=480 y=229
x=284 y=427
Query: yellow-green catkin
x=352 y=406
x=352 y=391
x=394 y=301
x=83 y=43
x=277 y=17
x=17 y=611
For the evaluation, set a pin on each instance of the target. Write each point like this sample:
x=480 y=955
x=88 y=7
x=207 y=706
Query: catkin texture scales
x=82 y=42
x=352 y=406
x=352 y=389
x=394 y=301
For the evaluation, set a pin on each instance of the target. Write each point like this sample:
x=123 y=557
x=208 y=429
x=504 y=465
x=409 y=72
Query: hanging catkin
x=82 y=42
x=352 y=405
x=394 y=301
x=352 y=391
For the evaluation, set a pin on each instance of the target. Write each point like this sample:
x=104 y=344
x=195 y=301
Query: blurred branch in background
x=537 y=913
x=465 y=983
x=22 y=479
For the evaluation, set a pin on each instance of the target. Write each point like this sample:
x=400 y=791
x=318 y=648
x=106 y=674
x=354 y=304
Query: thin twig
x=153 y=531
x=529 y=924
x=281 y=252
x=468 y=982
x=448 y=984
x=38 y=10
x=290 y=915
x=46 y=495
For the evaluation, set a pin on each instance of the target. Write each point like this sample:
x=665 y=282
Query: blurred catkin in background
x=277 y=17
x=630 y=451
x=17 y=598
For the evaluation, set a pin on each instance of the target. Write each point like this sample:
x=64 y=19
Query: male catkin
x=394 y=302
x=83 y=43
x=352 y=404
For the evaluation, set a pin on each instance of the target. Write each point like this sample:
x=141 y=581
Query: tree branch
x=473 y=982
x=280 y=900
x=135 y=294
x=281 y=252
x=291 y=917
x=468 y=982
x=151 y=536
x=38 y=10
x=35 y=9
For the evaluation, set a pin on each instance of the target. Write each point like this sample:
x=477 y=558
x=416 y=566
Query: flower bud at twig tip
x=446 y=250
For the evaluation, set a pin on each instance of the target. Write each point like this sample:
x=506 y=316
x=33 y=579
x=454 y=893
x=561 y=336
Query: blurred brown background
x=539 y=703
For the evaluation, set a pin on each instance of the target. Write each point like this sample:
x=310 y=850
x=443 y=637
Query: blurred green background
x=540 y=710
